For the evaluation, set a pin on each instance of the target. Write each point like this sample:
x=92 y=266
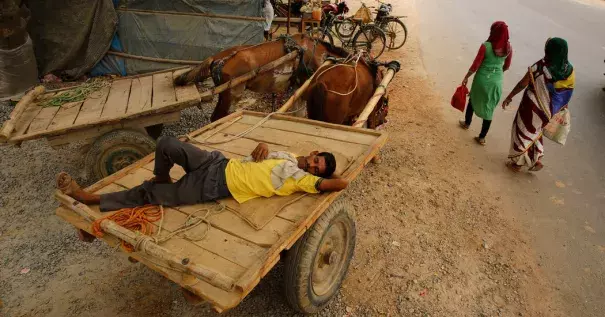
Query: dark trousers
x=204 y=179
x=468 y=118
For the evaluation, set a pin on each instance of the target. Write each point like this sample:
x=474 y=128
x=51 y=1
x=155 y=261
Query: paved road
x=562 y=207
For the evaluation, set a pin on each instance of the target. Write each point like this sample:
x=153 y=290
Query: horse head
x=315 y=53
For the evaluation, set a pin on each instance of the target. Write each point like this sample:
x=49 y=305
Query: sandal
x=537 y=167
x=513 y=167
x=66 y=184
x=479 y=140
x=463 y=125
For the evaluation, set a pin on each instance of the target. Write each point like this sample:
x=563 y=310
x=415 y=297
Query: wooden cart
x=118 y=124
x=240 y=244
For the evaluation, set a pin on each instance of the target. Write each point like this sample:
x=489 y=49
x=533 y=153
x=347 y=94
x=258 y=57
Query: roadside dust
x=431 y=239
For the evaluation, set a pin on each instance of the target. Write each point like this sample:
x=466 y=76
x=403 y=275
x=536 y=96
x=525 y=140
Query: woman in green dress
x=492 y=60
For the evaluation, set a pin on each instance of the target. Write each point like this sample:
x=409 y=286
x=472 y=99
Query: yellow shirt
x=248 y=180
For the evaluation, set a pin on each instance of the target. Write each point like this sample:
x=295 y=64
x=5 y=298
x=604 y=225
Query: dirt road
x=562 y=206
x=432 y=239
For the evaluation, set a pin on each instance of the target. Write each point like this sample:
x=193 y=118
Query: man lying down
x=211 y=176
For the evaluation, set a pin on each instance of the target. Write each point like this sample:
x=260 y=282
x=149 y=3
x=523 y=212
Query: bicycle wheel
x=396 y=33
x=321 y=35
x=344 y=28
x=370 y=39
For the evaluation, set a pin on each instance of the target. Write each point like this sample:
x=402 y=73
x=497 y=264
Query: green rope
x=76 y=94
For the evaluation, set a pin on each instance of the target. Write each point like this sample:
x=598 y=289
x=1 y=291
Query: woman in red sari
x=548 y=86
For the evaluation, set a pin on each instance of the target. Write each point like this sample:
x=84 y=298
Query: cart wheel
x=318 y=262
x=115 y=150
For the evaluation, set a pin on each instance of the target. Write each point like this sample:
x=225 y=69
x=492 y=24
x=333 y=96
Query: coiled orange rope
x=137 y=219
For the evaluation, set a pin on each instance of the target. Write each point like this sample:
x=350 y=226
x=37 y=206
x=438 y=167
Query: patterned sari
x=542 y=99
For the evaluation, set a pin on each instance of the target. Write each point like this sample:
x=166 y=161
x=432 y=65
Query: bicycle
x=367 y=37
x=395 y=30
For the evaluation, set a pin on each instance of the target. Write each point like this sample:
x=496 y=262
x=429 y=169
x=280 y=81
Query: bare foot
x=66 y=184
x=69 y=187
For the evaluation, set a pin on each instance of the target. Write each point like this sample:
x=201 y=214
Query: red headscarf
x=498 y=36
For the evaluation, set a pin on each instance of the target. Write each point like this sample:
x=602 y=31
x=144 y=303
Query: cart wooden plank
x=140 y=94
x=93 y=106
x=242 y=146
x=121 y=103
x=88 y=135
x=305 y=129
x=26 y=119
x=173 y=220
x=231 y=239
x=163 y=90
x=293 y=139
x=43 y=119
x=230 y=223
x=214 y=295
x=66 y=115
x=117 y=101
x=295 y=213
x=284 y=141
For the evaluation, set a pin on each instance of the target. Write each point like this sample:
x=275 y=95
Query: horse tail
x=196 y=74
x=316 y=101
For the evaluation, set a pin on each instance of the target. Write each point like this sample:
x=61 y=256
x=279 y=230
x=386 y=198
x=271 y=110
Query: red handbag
x=459 y=98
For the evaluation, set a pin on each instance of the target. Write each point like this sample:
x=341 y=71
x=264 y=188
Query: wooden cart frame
x=213 y=281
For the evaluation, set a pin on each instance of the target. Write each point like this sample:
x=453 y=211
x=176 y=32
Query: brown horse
x=339 y=93
x=238 y=61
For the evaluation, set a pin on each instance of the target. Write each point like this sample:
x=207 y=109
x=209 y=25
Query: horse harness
x=378 y=117
x=343 y=62
x=290 y=45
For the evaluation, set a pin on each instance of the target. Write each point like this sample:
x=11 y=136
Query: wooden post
x=154 y=59
x=288 y=20
x=147 y=246
x=9 y=125
x=301 y=90
x=393 y=68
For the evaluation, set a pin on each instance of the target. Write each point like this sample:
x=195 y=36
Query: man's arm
x=260 y=152
x=333 y=184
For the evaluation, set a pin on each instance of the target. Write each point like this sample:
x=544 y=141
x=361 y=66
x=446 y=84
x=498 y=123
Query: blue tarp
x=110 y=64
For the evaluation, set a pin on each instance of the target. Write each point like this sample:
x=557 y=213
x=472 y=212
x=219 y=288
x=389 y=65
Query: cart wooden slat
x=124 y=103
x=231 y=246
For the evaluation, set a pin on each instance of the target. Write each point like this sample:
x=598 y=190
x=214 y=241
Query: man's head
x=319 y=164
